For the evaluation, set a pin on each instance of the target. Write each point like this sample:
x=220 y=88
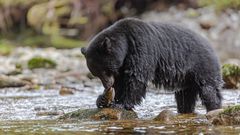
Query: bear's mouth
x=107 y=81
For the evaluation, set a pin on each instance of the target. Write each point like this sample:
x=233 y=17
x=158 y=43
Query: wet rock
x=40 y=108
x=100 y=114
x=229 y=116
x=214 y=113
x=6 y=81
x=40 y=62
x=31 y=87
x=49 y=113
x=169 y=117
x=208 y=21
x=15 y=72
x=231 y=76
x=66 y=91
x=29 y=78
x=166 y=116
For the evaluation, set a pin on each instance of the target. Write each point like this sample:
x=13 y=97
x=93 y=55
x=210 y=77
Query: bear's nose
x=83 y=50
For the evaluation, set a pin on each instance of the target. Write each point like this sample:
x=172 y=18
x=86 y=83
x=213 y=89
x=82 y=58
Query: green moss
x=221 y=4
x=230 y=70
x=39 y=62
x=231 y=110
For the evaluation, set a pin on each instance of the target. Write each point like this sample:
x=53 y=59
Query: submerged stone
x=170 y=117
x=166 y=116
x=100 y=114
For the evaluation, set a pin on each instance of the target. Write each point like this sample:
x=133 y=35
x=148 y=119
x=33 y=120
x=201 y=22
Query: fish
x=106 y=99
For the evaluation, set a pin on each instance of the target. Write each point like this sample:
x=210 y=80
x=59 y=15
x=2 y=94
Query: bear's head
x=105 y=56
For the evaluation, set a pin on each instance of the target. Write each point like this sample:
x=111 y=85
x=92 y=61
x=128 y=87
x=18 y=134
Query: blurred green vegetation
x=230 y=70
x=58 y=42
x=220 y=5
x=18 y=2
x=51 y=23
x=32 y=39
x=231 y=76
x=69 y=23
x=40 y=62
x=6 y=47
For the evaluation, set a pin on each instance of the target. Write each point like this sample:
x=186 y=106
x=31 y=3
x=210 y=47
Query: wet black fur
x=166 y=54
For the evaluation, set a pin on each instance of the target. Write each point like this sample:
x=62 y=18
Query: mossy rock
x=100 y=114
x=231 y=76
x=233 y=110
x=228 y=116
x=40 y=62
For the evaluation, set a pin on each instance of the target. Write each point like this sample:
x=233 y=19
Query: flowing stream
x=21 y=112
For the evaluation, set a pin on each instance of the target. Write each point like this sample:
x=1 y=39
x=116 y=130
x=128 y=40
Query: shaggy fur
x=131 y=52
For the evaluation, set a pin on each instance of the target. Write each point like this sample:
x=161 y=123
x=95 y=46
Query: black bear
x=131 y=52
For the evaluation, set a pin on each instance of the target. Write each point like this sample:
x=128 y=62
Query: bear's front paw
x=103 y=102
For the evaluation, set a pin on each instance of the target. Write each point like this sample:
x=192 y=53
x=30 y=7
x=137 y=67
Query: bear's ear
x=83 y=50
x=106 y=44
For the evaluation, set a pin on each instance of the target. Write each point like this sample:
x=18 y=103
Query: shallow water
x=116 y=127
x=20 y=109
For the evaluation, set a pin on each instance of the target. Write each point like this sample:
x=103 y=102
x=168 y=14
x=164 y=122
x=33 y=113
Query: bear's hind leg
x=186 y=100
x=211 y=98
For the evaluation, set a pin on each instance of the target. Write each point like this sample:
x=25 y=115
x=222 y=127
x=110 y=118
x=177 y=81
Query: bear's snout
x=107 y=81
x=83 y=51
